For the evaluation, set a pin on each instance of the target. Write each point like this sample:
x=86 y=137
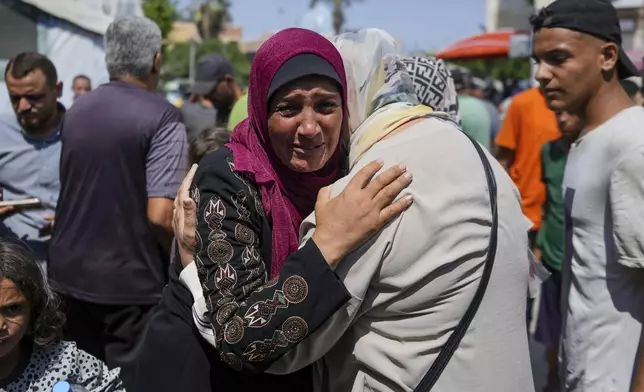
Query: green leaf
x=163 y=12
x=499 y=68
x=177 y=63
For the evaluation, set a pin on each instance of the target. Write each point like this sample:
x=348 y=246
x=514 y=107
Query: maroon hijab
x=287 y=196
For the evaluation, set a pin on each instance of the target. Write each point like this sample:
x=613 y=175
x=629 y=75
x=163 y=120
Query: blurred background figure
x=81 y=85
x=486 y=92
x=475 y=116
x=528 y=125
x=212 y=95
x=239 y=112
x=207 y=141
x=30 y=146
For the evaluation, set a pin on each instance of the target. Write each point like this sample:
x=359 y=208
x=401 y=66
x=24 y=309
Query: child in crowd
x=550 y=241
x=32 y=356
x=206 y=141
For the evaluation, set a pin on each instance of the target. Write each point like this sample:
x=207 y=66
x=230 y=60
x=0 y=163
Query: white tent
x=70 y=33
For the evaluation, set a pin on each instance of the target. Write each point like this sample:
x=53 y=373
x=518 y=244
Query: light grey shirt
x=29 y=167
x=603 y=285
x=199 y=118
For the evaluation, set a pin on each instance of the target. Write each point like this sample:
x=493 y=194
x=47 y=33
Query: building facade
x=515 y=14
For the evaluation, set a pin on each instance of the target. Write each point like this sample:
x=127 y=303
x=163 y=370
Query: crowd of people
x=356 y=220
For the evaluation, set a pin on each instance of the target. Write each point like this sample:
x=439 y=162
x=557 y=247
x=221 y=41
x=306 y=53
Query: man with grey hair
x=123 y=158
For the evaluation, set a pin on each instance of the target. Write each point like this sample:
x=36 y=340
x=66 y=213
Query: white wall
x=73 y=51
x=116 y=8
x=502 y=14
x=628 y=3
x=538 y=4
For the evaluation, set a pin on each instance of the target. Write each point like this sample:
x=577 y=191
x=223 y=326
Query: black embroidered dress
x=255 y=321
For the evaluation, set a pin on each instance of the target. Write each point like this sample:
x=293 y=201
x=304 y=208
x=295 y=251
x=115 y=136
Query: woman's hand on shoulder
x=363 y=208
x=184 y=219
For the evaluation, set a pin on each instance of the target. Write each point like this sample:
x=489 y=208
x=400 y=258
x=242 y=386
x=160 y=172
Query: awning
x=75 y=12
x=496 y=44
x=507 y=43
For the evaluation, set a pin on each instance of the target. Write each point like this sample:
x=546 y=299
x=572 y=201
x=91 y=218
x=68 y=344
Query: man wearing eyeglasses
x=30 y=150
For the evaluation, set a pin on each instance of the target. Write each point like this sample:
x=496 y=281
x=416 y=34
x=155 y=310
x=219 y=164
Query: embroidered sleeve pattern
x=255 y=321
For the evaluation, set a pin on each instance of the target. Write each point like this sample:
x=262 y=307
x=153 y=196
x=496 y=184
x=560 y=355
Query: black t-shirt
x=121 y=146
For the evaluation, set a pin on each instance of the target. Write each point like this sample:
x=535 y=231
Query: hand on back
x=363 y=208
x=343 y=222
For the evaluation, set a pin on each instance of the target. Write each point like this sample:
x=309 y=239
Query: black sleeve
x=255 y=321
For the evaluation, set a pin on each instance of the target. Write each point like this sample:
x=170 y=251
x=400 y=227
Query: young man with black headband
x=577 y=45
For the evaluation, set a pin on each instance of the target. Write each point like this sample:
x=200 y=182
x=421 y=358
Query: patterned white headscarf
x=434 y=84
x=380 y=93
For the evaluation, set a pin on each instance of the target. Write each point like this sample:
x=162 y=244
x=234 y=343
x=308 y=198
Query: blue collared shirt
x=29 y=167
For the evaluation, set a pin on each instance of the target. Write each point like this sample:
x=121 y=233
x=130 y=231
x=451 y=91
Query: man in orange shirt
x=527 y=126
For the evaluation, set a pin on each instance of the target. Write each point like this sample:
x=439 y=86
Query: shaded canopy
x=496 y=44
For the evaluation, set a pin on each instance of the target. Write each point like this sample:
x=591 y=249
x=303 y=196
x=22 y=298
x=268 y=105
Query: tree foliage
x=177 y=64
x=211 y=18
x=500 y=68
x=163 y=12
x=338 y=12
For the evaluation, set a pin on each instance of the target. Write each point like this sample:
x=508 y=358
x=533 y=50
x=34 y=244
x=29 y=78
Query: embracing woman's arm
x=255 y=322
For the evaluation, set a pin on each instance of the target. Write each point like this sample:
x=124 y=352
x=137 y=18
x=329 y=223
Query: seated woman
x=411 y=283
x=32 y=356
x=252 y=195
